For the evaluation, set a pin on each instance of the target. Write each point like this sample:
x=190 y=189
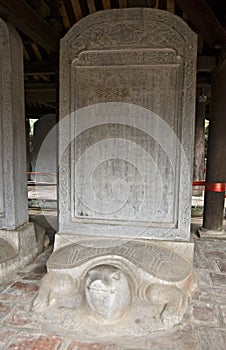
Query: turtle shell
x=153 y=258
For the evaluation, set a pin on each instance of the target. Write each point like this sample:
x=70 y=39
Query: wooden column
x=216 y=163
x=199 y=149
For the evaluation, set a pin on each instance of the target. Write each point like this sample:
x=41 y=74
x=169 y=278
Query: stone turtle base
x=18 y=247
x=137 y=286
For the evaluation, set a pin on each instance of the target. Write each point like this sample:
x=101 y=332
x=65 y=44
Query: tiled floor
x=203 y=327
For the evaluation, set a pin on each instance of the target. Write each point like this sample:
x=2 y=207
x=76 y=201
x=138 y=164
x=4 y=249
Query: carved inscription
x=151 y=82
x=141 y=58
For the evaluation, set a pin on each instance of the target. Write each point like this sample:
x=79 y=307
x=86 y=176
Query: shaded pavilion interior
x=42 y=23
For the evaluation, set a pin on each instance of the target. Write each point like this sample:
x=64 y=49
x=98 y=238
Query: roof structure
x=42 y=23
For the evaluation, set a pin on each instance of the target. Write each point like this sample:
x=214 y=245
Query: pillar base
x=18 y=247
x=211 y=234
x=137 y=286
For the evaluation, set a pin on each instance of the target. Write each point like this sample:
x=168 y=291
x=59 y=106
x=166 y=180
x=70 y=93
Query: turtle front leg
x=41 y=302
x=171 y=302
x=56 y=289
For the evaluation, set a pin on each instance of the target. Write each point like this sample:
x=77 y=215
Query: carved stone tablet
x=126 y=129
x=125 y=156
x=13 y=184
x=18 y=243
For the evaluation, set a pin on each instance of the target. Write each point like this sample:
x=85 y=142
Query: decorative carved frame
x=144 y=29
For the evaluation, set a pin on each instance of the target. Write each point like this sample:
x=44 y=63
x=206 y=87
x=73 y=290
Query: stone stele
x=122 y=261
x=18 y=240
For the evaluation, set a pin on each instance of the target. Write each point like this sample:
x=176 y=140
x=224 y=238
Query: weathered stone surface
x=126 y=128
x=188 y=335
x=7 y=251
x=18 y=248
x=157 y=259
x=125 y=156
x=107 y=292
x=17 y=236
x=222 y=265
x=138 y=286
x=13 y=183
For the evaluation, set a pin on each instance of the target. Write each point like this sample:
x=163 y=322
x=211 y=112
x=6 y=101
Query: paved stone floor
x=203 y=327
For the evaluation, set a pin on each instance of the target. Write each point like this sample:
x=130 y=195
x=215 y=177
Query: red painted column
x=216 y=162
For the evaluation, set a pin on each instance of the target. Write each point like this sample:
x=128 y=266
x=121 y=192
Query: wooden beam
x=77 y=9
x=122 y=3
x=26 y=20
x=171 y=6
x=31 y=85
x=37 y=111
x=54 y=7
x=206 y=63
x=41 y=67
x=106 y=4
x=40 y=96
x=30 y=51
x=91 y=6
x=40 y=92
x=99 y=5
x=63 y=13
x=206 y=86
x=84 y=7
x=25 y=53
x=70 y=12
x=200 y=43
x=162 y=4
x=115 y=4
x=41 y=7
x=204 y=20
x=36 y=51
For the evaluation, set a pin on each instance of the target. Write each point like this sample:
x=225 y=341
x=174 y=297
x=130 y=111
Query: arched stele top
x=126 y=28
x=132 y=28
x=140 y=57
x=10 y=44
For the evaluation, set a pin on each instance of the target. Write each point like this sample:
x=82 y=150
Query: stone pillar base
x=18 y=247
x=138 y=286
x=211 y=234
